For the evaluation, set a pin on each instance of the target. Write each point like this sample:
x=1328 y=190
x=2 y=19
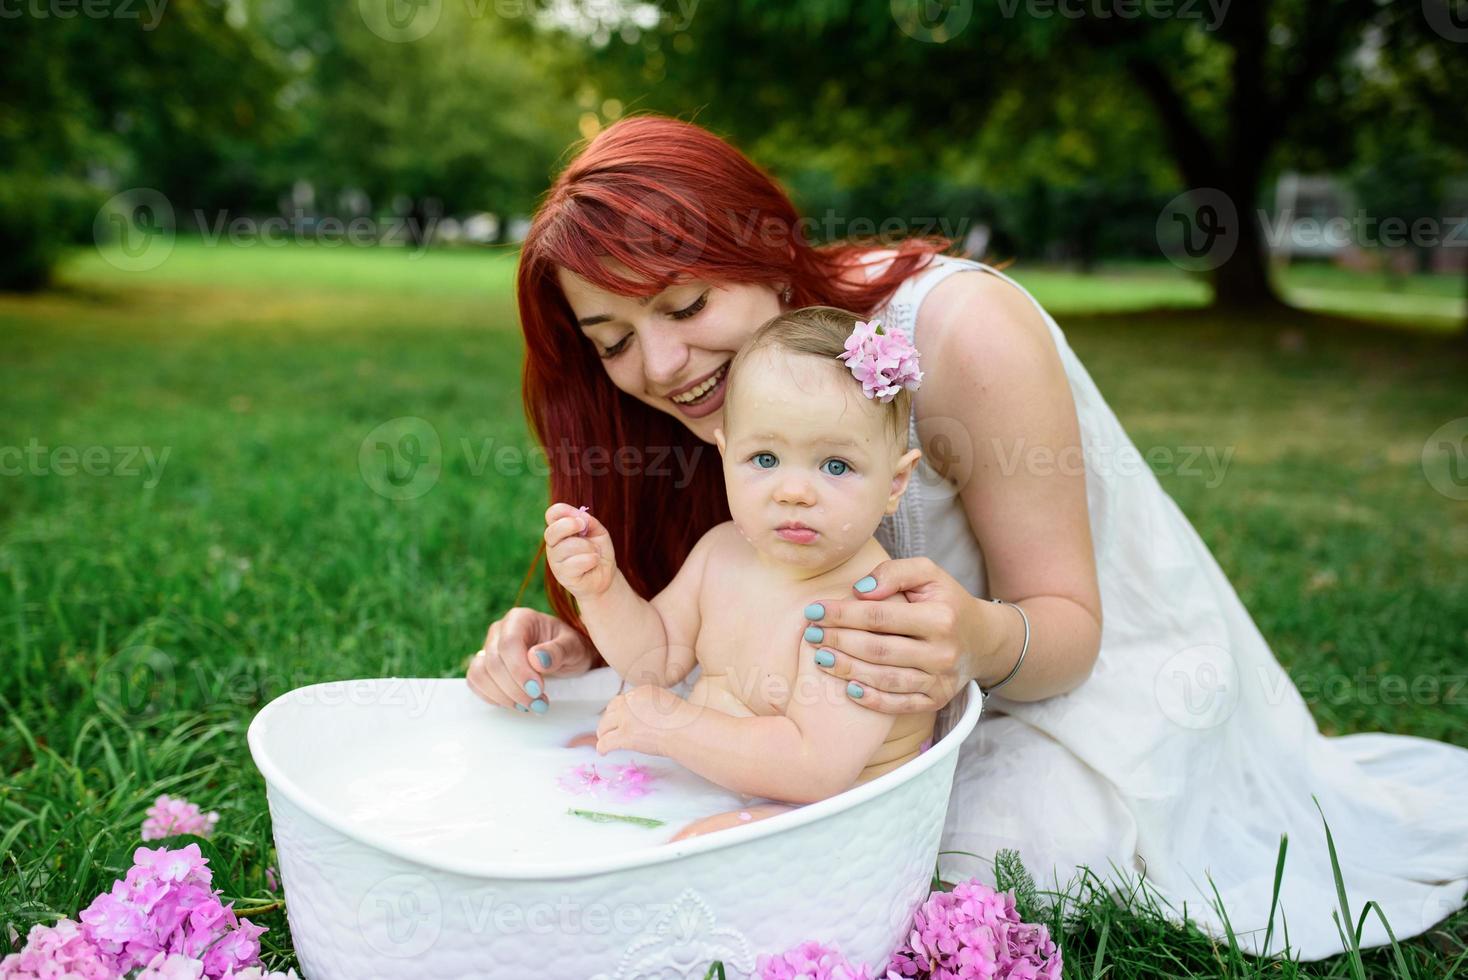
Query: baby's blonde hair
x=819 y=331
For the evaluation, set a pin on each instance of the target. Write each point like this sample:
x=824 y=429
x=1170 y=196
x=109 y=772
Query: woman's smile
x=708 y=395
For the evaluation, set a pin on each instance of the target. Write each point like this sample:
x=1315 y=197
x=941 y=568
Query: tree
x=1233 y=92
x=164 y=103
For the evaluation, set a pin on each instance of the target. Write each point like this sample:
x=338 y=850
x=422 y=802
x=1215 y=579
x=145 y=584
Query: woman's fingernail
x=814 y=634
x=815 y=611
x=532 y=688
x=866 y=584
x=543 y=657
x=854 y=689
x=538 y=706
x=825 y=658
x=521 y=707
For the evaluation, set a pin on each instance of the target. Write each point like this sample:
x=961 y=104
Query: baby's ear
x=900 y=478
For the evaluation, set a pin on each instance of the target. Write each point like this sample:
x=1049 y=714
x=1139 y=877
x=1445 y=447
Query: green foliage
x=1010 y=874
x=40 y=217
x=464 y=115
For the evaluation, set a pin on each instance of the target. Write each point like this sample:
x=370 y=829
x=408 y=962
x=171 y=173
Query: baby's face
x=807 y=446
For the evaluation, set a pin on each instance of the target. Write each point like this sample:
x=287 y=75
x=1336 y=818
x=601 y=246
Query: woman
x=1161 y=739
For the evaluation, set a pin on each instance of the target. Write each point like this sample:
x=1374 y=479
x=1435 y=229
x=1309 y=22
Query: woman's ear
x=900 y=479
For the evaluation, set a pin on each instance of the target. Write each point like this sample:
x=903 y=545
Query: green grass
x=1433 y=302
x=142 y=626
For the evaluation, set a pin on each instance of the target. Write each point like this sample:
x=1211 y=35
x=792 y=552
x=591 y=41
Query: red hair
x=669 y=200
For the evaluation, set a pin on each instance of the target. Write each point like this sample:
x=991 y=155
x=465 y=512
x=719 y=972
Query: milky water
x=496 y=786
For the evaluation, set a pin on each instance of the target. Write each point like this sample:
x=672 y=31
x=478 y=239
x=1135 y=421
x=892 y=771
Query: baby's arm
x=817 y=749
x=645 y=642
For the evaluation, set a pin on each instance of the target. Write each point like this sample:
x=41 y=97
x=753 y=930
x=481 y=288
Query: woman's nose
x=663 y=357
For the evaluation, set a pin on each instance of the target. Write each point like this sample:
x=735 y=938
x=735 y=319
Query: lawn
x=192 y=532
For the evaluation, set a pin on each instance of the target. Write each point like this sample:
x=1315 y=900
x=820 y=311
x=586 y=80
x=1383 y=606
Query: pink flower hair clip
x=884 y=363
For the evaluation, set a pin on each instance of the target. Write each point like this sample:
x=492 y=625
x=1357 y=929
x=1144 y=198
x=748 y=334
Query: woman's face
x=659 y=349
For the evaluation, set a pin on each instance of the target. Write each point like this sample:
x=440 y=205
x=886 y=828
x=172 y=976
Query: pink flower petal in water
x=581 y=779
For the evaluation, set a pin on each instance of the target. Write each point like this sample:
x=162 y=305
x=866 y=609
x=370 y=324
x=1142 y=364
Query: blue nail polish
x=538 y=706
x=521 y=707
x=815 y=611
x=825 y=658
x=543 y=657
x=814 y=634
x=866 y=584
x=532 y=688
x=854 y=689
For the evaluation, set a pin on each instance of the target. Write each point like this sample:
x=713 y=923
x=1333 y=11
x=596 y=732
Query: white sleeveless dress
x=1188 y=752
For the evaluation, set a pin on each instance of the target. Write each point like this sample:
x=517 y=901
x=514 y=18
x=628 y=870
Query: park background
x=239 y=238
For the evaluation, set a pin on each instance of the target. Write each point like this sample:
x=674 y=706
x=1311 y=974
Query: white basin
x=409 y=847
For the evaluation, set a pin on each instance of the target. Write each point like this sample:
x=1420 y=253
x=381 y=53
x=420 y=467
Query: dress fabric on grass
x=1188 y=752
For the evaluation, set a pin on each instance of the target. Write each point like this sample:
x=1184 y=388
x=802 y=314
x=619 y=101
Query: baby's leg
x=732 y=818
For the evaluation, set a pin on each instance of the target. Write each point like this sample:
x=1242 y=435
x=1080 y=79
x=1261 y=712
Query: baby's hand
x=578 y=549
x=641 y=719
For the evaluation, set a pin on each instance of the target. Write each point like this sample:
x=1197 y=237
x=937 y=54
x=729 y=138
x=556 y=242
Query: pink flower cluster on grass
x=168 y=817
x=808 y=961
x=624 y=782
x=884 y=363
x=974 y=931
x=970 y=932
x=162 y=918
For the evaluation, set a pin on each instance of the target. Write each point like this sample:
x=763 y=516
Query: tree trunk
x=1242 y=282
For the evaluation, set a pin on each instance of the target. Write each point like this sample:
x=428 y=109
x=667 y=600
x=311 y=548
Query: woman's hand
x=520 y=650
x=902 y=657
x=641 y=718
x=578 y=549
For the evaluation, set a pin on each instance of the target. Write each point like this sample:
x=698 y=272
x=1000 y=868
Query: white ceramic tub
x=849 y=870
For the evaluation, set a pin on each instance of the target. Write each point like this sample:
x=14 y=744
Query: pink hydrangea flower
x=621 y=782
x=808 y=961
x=60 y=950
x=581 y=779
x=974 y=931
x=169 y=816
x=172 y=966
x=165 y=906
x=884 y=363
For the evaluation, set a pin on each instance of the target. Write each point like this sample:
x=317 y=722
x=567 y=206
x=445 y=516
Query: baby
x=814 y=453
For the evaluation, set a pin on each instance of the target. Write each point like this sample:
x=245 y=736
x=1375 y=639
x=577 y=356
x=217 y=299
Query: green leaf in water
x=609 y=817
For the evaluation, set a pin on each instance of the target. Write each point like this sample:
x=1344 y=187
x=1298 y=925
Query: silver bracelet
x=1022 y=650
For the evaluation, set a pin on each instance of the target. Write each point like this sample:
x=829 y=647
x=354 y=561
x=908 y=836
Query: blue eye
x=758 y=456
x=841 y=463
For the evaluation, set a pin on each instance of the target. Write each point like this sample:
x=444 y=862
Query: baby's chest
x=750 y=650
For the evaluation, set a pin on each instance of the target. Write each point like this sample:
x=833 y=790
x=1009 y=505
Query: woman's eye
x=618 y=348
x=759 y=456
x=844 y=466
x=690 y=309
